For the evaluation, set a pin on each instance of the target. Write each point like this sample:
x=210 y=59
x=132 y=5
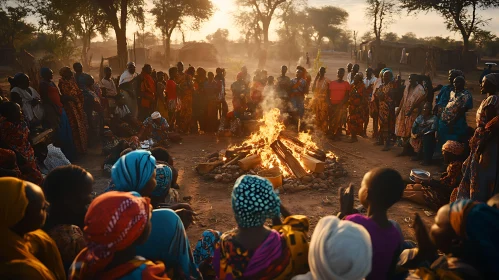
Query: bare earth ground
x=212 y=200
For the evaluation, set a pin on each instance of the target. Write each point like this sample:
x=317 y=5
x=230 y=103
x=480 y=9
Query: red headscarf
x=114 y=221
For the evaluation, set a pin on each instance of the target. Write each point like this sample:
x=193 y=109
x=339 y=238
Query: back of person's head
x=66 y=181
x=161 y=154
x=11 y=111
x=381 y=188
x=339 y=250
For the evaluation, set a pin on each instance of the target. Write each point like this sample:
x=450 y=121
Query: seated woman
x=8 y=164
x=15 y=136
x=156 y=127
x=112 y=233
x=338 y=250
x=122 y=120
x=436 y=193
x=27 y=252
x=466 y=232
x=230 y=125
x=68 y=207
x=168 y=242
x=423 y=135
x=252 y=250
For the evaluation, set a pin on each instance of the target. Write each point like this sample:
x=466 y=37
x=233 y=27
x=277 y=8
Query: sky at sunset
x=422 y=24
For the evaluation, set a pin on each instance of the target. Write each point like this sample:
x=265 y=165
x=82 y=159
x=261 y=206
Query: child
x=423 y=135
x=124 y=124
x=230 y=125
x=381 y=188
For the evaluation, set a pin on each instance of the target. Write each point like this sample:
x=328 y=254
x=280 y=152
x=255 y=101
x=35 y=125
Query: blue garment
x=168 y=243
x=132 y=171
x=65 y=136
x=298 y=103
x=164 y=178
x=443 y=96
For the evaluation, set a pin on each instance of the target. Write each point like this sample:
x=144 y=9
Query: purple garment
x=386 y=243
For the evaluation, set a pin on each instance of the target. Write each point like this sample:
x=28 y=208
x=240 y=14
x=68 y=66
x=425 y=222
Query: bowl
x=274 y=175
x=419 y=176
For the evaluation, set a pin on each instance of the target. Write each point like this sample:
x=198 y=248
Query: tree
x=292 y=21
x=251 y=30
x=173 y=14
x=264 y=11
x=481 y=37
x=219 y=38
x=14 y=29
x=327 y=22
x=367 y=36
x=459 y=15
x=409 y=38
x=380 y=12
x=390 y=37
x=117 y=13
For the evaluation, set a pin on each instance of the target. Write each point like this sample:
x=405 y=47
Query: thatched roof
x=198 y=51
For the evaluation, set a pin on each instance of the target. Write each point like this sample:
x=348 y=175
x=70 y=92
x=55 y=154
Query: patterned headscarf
x=132 y=171
x=453 y=147
x=164 y=178
x=114 y=221
x=254 y=201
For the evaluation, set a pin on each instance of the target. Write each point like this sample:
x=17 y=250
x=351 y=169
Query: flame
x=271 y=125
x=224 y=159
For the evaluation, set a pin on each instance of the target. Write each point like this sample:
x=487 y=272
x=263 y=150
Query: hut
x=198 y=51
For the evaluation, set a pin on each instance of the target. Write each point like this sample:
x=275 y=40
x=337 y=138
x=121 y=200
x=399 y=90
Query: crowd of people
x=137 y=230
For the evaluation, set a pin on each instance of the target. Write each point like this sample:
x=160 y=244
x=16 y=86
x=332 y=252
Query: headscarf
x=44 y=71
x=339 y=250
x=114 y=221
x=456 y=72
x=476 y=223
x=132 y=171
x=13 y=202
x=387 y=70
x=164 y=178
x=156 y=115
x=65 y=70
x=131 y=63
x=254 y=201
x=453 y=147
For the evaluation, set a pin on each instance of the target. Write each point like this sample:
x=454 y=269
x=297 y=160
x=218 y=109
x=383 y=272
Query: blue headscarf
x=478 y=224
x=44 y=71
x=132 y=171
x=164 y=178
x=386 y=70
x=254 y=201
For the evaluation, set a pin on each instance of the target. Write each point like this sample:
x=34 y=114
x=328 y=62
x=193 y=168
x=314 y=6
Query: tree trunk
x=84 y=51
x=262 y=59
x=122 y=48
x=167 y=50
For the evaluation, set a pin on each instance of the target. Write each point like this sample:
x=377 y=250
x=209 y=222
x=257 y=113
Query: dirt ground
x=211 y=200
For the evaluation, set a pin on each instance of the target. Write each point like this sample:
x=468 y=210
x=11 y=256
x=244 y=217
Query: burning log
x=232 y=161
x=207 y=167
x=287 y=158
x=316 y=153
x=313 y=164
x=249 y=162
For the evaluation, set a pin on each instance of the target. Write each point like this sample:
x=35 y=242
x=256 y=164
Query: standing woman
x=161 y=103
x=320 y=101
x=55 y=115
x=355 y=111
x=129 y=87
x=480 y=171
x=185 y=91
x=171 y=93
x=199 y=100
x=386 y=115
x=452 y=123
x=211 y=91
x=74 y=108
x=28 y=98
x=147 y=92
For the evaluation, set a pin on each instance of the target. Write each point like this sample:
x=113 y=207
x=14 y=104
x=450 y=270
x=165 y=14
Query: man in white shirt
x=110 y=91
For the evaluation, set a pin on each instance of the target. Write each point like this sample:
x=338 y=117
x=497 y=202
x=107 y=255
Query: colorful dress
x=422 y=126
x=158 y=130
x=282 y=255
x=161 y=102
x=76 y=114
x=16 y=137
x=480 y=180
x=69 y=240
x=411 y=97
x=355 y=118
x=386 y=106
x=320 y=104
x=186 y=88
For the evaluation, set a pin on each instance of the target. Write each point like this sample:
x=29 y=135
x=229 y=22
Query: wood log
x=232 y=161
x=313 y=164
x=287 y=158
x=249 y=162
x=44 y=135
x=316 y=153
x=207 y=167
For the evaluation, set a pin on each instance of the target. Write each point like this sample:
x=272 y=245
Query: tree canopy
x=327 y=21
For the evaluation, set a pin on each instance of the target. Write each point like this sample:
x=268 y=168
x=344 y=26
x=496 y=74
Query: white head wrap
x=339 y=250
x=155 y=115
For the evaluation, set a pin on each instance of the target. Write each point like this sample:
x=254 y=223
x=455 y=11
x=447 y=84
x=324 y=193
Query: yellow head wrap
x=13 y=201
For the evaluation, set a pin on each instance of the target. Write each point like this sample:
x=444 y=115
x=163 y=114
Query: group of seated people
x=129 y=232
